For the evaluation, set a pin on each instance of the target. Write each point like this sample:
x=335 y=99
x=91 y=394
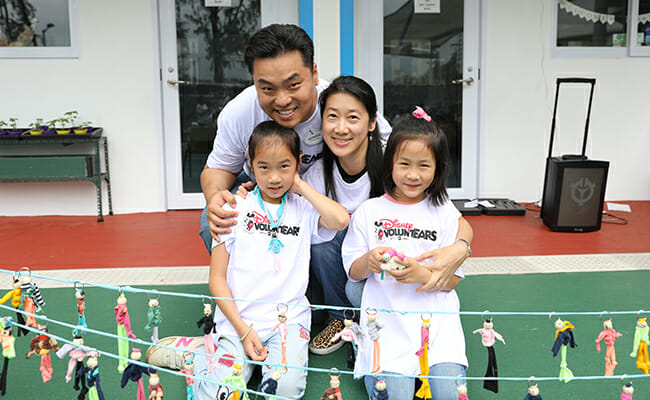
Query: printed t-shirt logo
x=256 y=222
x=394 y=229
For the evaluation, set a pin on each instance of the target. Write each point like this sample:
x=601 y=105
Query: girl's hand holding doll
x=413 y=273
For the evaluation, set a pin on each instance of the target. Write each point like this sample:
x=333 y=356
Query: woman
x=350 y=172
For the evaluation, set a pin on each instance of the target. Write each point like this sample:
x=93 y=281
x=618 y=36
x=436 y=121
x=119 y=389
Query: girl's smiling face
x=414 y=167
x=275 y=168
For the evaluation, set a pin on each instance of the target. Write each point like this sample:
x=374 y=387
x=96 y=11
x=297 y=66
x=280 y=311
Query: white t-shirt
x=349 y=195
x=251 y=270
x=243 y=113
x=411 y=229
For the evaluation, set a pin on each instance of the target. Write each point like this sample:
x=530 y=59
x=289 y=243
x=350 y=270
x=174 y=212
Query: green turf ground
x=527 y=351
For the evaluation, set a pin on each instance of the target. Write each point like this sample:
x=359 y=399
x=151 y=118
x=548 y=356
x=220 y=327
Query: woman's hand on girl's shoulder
x=296 y=186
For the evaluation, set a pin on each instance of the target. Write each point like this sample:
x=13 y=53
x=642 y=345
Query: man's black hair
x=277 y=39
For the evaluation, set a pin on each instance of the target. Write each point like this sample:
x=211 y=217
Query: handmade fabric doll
x=91 y=371
x=77 y=355
x=154 y=318
x=123 y=322
x=373 y=328
x=563 y=336
x=32 y=299
x=8 y=350
x=640 y=348
x=333 y=392
x=423 y=354
x=462 y=392
x=236 y=380
x=80 y=295
x=15 y=295
x=627 y=392
x=283 y=330
x=134 y=373
x=488 y=338
x=389 y=261
x=350 y=334
x=155 y=388
x=382 y=394
x=188 y=369
x=533 y=393
x=609 y=335
x=270 y=386
x=41 y=346
x=209 y=327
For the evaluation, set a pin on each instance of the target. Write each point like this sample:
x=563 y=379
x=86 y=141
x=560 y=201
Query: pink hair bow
x=421 y=114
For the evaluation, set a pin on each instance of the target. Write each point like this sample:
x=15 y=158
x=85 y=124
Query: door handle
x=172 y=82
x=468 y=81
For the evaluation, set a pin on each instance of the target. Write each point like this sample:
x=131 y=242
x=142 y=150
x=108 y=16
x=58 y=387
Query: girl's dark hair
x=277 y=39
x=272 y=130
x=363 y=92
x=411 y=128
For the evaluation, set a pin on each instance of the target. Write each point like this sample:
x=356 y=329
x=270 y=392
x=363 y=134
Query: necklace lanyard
x=275 y=244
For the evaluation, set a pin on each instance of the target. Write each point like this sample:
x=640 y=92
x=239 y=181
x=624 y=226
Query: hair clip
x=419 y=113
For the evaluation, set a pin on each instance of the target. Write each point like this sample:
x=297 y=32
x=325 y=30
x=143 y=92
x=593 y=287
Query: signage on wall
x=426 y=7
x=218 y=3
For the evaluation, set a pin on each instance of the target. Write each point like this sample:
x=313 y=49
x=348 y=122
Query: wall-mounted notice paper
x=218 y=3
x=426 y=7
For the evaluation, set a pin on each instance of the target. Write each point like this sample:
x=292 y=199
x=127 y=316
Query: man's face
x=286 y=88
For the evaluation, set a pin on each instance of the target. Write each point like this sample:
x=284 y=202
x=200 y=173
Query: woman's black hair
x=412 y=128
x=267 y=130
x=363 y=92
x=277 y=39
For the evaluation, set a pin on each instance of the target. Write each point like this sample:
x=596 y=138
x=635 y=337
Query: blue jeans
x=399 y=388
x=327 y=273
x=205 y=229
x=293 y=382
x=354 y=292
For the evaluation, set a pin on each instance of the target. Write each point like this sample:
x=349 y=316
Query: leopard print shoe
x=321 y=344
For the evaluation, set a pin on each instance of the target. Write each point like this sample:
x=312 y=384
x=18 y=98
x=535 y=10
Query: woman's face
x=346 y=124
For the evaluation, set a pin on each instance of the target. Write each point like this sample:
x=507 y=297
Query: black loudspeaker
x=574 y=186
x=574 y=193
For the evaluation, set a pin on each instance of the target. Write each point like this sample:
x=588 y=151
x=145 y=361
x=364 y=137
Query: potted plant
x=3 y=124
x=61 y=125
x=82 y=128
x=37 y=127
x=13 y=123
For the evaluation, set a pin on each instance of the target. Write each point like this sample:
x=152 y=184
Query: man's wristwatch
x=469 y=247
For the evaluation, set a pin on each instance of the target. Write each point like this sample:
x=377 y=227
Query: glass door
x=202 y=68
x=429 y=51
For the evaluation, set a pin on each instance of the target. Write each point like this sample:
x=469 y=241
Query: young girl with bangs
x=414 y=217
x=266 y=258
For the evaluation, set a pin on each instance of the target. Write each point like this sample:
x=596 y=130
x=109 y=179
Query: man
x=285 y=88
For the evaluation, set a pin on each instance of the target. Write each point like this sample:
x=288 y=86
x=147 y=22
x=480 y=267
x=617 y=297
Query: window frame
x=634 y=49
x=631 y=48
x=72 y=51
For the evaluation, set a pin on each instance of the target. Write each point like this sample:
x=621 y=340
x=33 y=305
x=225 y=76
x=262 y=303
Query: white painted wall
x=113 y=84
x=519 y=87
